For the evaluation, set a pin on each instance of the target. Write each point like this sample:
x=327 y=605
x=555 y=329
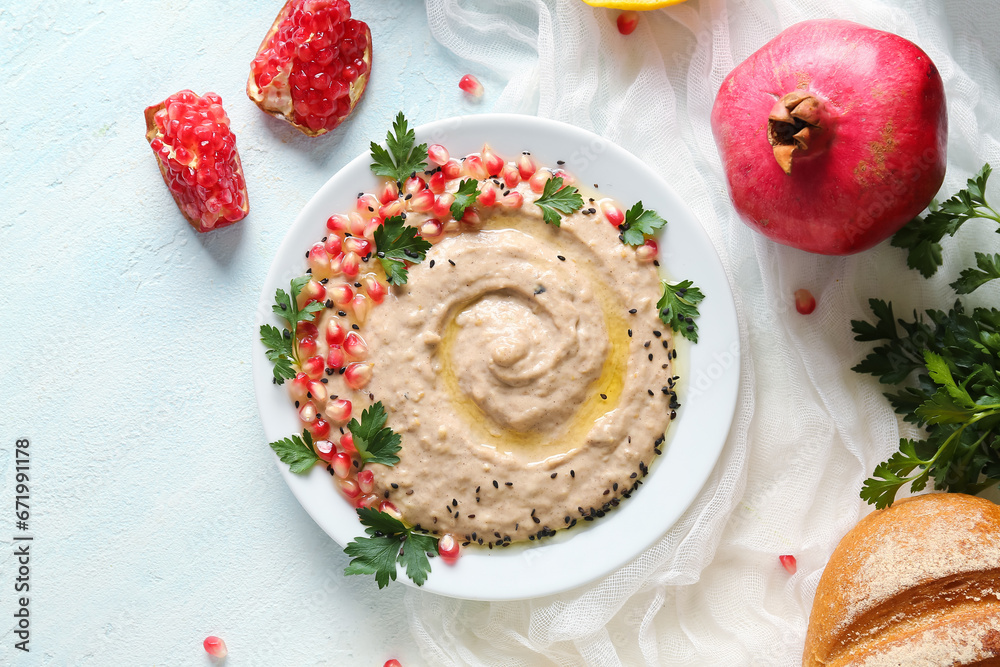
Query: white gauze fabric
x=808 y=430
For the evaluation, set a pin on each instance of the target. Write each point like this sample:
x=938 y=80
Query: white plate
x=707 y=390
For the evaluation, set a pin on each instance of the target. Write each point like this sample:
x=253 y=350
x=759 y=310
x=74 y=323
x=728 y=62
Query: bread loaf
x=915 y=584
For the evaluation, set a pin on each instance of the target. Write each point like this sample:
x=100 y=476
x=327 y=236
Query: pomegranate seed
x=317 y=388
x=390 y=192
x=335 y=333
x=375 y=223
x=341 y=294
x=367 y=205
x=442 y=205
x=565 y=175
x=451 y=169
x=356 y=224
x=374 y=289
x=205 y=178
x=357 y=376
x=390 y=509
x=487 y=194
x=351 y=264
x=355 y=347
x=422 y=202
x=349 y=487
x=494 y=163
x=311 y=291
x=470 y=217
x=341 y=464
x=336 y=358
x=215 y=647
x=414 y=184
x=392 y=663
x=319 y=429
x=788 y=562
x=805 y=302
x=313 y=366
x=526 y=166
x=612 y=213
x=431 y=229
x=357 y=245
x=627 y=21
x=337 y=223
x=511 y=176
x=513 y=200
x=647 y=251
x=537 y=180
x=437 y=183
x=474 y=167
x=366 y=480
x=325 y=450
x=368 y=500
x=471 y=85
x=319 y=260
x=334 y=246
x=313 y=65
x=437 y=154
x=360 y=305
x=299 y=386
x=307 y=413
x=347 y=443
x=390 y=210
x=306 y=330
x=448 y=548
x=308 y=347
x=339 y=411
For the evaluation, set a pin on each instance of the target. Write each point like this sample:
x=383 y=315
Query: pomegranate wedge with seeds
x=196 y=151
x=312 y=66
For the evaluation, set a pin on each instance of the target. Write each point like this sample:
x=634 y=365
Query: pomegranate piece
x=627 y=21
x=313 y=65
x=471 y=86
x=215 y=647
x=392 y=663
x=788 y=562
x=853 y=130
x=805 y=302
x=448 y=548
x=196 y=152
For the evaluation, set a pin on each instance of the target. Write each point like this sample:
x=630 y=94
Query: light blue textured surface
x=158 y=514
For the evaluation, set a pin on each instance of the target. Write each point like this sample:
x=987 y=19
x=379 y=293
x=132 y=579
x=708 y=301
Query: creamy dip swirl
x=528 y=393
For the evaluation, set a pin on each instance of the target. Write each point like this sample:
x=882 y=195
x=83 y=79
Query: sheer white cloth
x=807 y=430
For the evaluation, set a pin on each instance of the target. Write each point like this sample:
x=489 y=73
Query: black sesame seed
x=296 y=404
x=508 y=483
x=553 y=475
x=495 y=485
x=560 y=162
x=629 y=333
x=357 y=328
x=329 y=303
x=451 y=262
x=650 y=391
x=432 y=263
x=560 y=258
x=650 y=356
x=646 y=344
x=632 y=311
x=604 y=396
x=394 y=485
x=342 y=313
x=536 y=519
x=324 y=380
x=572 y=473
x=330 y=371
x=454 y=503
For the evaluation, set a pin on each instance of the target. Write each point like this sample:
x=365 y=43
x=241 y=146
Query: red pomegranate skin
x=883 y=152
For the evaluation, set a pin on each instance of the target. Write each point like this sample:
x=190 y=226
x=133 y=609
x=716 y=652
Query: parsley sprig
x=949 y=369
x=281 y=343
x=375 y=442
x=297 y=452
x=389 y=542
x=396 y=243
x=558 y=199
x=402 y=158
x=465 y=197
x=678 y=306
x=921 y=237
x=639 y=223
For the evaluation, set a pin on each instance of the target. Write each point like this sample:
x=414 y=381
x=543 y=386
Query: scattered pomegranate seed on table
x=313 y=65
x=196 y=153
x=627 y=21
x=805 y=302
x=392 y=663
x=788 y=562
x=215 y=647
x=471 y=86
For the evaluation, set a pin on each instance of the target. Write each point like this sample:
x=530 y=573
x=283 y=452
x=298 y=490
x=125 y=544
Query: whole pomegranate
x=833 y=136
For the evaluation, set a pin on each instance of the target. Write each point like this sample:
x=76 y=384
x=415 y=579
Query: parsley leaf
x=390 y=542
x=557 y=199
x=401 y=159
x=921 y=237
x=948 y=366
x=396 y=243
x=279 y=343
x=375 y=442
x=297 y=452
x=678 y=307
x=971 y=279
x=465 y=197
x=638 y=223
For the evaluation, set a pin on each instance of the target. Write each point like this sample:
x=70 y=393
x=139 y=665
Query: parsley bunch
x=281 y=344
x=638 y=223
x=949 y=366
x=921 y=237
x=403 y=158
x=557 y=198
x=390 y=542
